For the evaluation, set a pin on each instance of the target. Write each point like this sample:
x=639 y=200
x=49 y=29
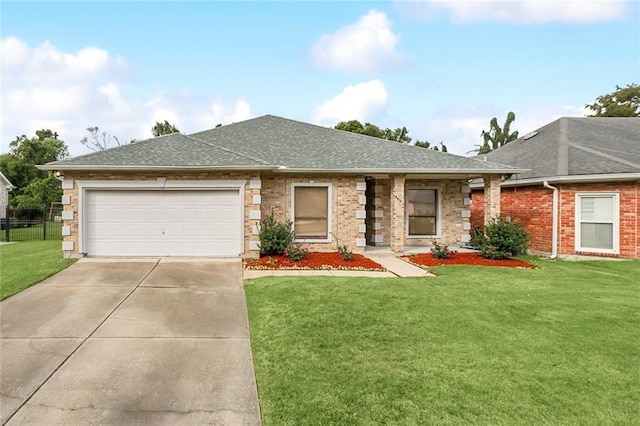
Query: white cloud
x=520 y=11
x=45 y=87
x=369 y=45
x=460 y=127
x=363 y=102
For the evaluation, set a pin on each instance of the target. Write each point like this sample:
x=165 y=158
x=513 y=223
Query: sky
x=441 y=68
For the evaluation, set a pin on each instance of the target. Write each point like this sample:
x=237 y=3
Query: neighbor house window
x=597 y=222
x=422 y=212
x=311 y=212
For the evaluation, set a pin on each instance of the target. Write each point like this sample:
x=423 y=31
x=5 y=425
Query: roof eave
x=95 y=168
x=595 y=178
x=478 y=172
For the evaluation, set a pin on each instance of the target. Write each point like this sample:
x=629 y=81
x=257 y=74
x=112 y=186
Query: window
x=311 y=217
x=597 y=222
x=422 y=212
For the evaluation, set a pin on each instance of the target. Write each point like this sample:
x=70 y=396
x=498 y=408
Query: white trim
x=329 y=210
x=438 y=213
x=596 y=178
x=86 y=185
x=425 y=172
x=616 y=222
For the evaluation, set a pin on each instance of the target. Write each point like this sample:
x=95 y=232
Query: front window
x=597 y=222
x=311 y=212
x=422 y=212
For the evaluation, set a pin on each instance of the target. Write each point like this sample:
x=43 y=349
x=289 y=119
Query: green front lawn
x=475 y=345
x=26 y=263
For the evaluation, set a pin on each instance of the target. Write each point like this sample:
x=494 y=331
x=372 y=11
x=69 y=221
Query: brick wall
x=452 y=222
x=346 y=201
x=533 y=206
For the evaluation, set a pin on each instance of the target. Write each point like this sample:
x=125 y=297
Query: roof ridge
x=228 y=150
x=603 y=155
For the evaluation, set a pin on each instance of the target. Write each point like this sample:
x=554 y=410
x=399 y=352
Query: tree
x=400 y=135
x=165 y=128
x=33 y=186
x=497 y=136
x=623 y=102
x=426 y=144
x=99 y=141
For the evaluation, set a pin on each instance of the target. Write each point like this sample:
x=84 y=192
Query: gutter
x=554 y=224
x=93 y=168
x=276 y=169
x=594 y=178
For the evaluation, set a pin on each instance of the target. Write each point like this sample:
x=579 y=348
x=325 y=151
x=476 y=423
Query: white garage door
x=163 y=223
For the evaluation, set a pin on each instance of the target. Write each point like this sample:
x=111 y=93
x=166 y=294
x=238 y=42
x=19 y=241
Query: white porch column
x=491 y=196
x=397 y=213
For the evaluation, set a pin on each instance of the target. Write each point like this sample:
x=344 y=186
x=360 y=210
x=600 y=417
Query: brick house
x=589 y=205
x=204 y=194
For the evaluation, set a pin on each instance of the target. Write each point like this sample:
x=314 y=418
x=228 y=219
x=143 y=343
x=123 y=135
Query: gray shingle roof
x=575 y=146
x=271 y=142
x=172 y=150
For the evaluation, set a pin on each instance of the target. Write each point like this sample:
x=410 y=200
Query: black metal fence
x=31 y=223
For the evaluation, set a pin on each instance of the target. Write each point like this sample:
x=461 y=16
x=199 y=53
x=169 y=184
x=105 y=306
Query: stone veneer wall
x=70 y=200
x=454 y=210
x=348 y=206
x=382 y=213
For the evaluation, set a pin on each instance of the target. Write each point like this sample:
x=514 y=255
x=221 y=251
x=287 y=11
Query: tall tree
x=497 y=136
x=33 y=186
x=165 y=128
x=99 y=141
x=623 y=102
x=400 y=135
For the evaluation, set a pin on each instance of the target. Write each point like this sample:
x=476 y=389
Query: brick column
x=491 y=196
x=397 y=213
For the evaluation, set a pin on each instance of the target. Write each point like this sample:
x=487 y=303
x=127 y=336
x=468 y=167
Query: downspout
x=554 y=224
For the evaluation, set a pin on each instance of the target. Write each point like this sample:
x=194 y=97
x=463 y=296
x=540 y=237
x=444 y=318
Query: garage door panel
x=163 y=223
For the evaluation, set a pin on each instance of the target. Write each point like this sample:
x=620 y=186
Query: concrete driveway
x=154 y=341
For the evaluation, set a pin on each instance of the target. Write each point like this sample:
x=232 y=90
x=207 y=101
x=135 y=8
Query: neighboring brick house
x=5 y=187
x=594 y=166
x=205 y=194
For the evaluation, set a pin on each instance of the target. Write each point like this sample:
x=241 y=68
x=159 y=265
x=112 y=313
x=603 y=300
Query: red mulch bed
x=315 y=260
x=427 y=260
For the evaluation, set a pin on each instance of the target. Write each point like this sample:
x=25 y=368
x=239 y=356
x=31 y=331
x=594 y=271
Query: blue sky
x=443 y=69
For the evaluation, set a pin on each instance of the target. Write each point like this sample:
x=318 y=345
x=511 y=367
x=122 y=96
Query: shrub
x=345 y=253
x=275 y=236
x=441 y=251
x=296 y=253
x=502 y=239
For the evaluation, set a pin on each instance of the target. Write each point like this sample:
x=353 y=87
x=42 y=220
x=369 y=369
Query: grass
x=34 y=233
x=555 y=345
x=26 y=263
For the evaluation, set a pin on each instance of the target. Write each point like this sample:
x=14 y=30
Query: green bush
x=441 y=251
x=275 y=236
x=345 y=253
x=296 y=253
x=501 y=239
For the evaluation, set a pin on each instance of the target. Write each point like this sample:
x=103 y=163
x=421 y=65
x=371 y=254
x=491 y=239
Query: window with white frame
x=311 y=212
x=422 y=212
x=597 y=225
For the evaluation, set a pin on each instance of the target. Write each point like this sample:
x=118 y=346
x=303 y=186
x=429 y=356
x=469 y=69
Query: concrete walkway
x=395 y=268
x=129 y=342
